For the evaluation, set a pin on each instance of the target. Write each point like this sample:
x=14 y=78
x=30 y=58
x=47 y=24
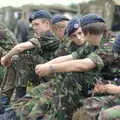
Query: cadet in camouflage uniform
x=110 y=72
x=70 y=91
x=7 y=42
x=111 y=108
x=44 y=44
x=69 y=75
x=55 y=20
x=59 y=23
x=73 y=44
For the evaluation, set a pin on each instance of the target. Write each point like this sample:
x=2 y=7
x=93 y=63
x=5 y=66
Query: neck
x=94 y=39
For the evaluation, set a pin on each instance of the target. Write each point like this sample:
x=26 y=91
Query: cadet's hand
x=42 y=69
x=108 y=88
x=5 y=62
x=99 y=88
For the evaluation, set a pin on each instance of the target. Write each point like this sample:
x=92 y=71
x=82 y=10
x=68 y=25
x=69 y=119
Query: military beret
x=58 y=18
x=72 y=26
x=116 y=45
x=90 y=18
x=39 y=14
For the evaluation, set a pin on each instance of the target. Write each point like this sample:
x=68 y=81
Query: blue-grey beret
x=58 y=18
x=72 y=26
x=116 y=45
x=39 y=14
x=90 y=18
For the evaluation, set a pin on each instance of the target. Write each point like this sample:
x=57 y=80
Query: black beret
x=90 y=18
x=72 y=26
x=39 y=14
x=58 y=18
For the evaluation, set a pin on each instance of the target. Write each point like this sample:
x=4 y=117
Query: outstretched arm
x=107 y=88
x=6 y=60
x=61 y=59
x=68 y=66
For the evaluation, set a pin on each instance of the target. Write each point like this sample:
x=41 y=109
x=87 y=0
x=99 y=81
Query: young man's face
x=59 y=28
x=40 y=26
x=78 y=37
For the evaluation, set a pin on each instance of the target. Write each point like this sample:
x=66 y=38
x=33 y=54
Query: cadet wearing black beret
x=58 y=18
x=90 y=18
x=40 y=14
x=72 y=26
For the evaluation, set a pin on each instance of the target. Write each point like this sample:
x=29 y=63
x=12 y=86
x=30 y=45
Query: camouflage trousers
x=26 y=70
x=94 y=105
x=35 y=104
x=67 y=96
x=112 y=113
x=8 y=83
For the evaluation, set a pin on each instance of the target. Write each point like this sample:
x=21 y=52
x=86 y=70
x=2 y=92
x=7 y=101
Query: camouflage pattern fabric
x=25 y=66
x=110 y=71
x=66 y=47
x=43 y=51
x=39 y=96
x=71 y=88
x=63 y=47
x=7 y=42
x=7 y=38
x=112 y=113
x=94 y=105
x=49 y=44
x=80 y=114
x=35 y=104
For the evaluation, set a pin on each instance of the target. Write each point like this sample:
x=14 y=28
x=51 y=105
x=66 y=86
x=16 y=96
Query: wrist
x=7 y=56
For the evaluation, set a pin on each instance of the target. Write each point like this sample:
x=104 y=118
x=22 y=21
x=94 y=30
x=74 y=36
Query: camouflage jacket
x=111 y=70
x=62 y=49
x=46 y=45
x=7 y=39
x=42 y=52
x=69 y=87
x=66 y=47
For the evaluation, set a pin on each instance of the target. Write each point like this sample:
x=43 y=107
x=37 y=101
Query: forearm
x=69 y=66
x=113 y=89
x=80 y=65
x=11 y=53
x=61 y=59
x=18 y=49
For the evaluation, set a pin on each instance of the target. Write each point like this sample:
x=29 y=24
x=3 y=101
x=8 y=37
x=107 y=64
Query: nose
x=78 y=37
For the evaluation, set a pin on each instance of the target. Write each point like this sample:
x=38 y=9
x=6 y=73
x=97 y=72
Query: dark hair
x=94 y=28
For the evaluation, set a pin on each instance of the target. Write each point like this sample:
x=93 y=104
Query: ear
x=87 y=34
x=54 y=27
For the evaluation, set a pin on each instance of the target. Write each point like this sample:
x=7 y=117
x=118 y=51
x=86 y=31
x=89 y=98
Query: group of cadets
x=76 y=76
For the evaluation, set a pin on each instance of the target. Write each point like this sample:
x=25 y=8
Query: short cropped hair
x=94 y=28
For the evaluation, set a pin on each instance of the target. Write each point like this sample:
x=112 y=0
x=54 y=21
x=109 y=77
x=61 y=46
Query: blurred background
x=12 y=10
